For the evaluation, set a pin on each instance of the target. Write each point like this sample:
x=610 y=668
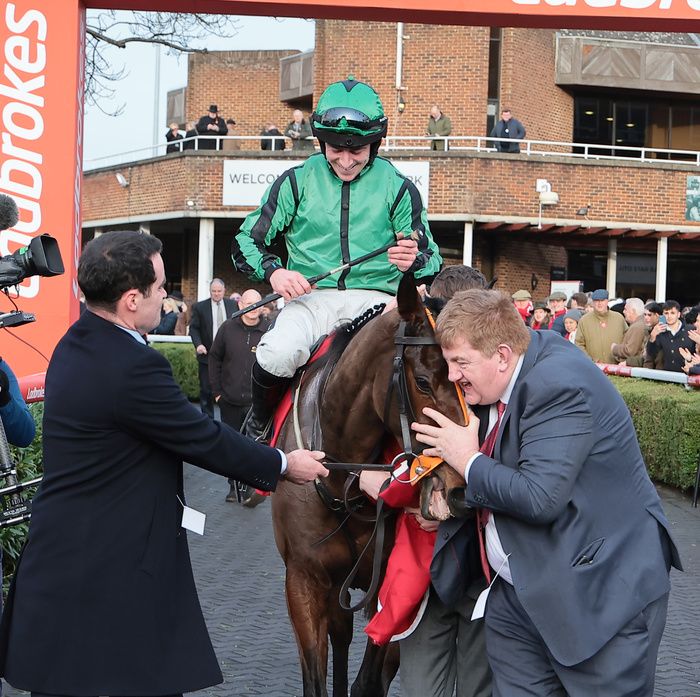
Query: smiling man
x=576 y=534
x=342 y=203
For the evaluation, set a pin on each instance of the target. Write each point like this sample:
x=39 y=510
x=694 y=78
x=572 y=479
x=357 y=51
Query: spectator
x=632 y=345
x=598 y=330
x=557 y=304
x=669 y=337
x=231 y=362
x=270 y=143
x=190 y=133
x=438 y=125
x=299 y=131
x=211 y=125
x=508 y=127
x=183 y=313
x=173 y=136
x=523 y=304
x=692 y=359
x=653 y=311
x=302 y=207
x=541 y=316
x=578 y=301
x=207 y=316
x=168 y=318
x=230 y=144
x=103 y=600
x=571 y=320
x=235 y=296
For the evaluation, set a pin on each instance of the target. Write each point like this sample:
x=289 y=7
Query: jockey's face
x=347 y=163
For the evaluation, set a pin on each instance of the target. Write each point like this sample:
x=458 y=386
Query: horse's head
x=426 y=385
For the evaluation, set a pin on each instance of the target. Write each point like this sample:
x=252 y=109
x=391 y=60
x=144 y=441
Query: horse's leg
x=370 y=679
x=306 y=601
x=340 y=630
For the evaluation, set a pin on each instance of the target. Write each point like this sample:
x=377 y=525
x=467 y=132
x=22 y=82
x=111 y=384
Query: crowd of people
x=569 y=528
x=629 y=332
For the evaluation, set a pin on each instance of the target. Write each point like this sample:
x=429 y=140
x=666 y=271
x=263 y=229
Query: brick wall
x=444 y=65
x=528 y=88
x=243 y=84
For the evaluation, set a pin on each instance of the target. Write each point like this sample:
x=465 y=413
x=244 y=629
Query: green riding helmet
x=349 y=114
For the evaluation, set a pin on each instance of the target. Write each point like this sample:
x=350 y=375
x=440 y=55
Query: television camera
x=40 y=258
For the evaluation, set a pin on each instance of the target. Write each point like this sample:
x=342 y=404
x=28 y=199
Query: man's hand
x=403 y=254
x=304 y=466
x=371 y=482
x=427 y=525
x=289 y=284
x=453 y=443
x=201 y=350
x=656 y=331
x=694 y=335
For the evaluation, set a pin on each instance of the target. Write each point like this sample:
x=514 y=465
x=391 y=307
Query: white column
x=205 y=262
x=468 y=244
x=611 y=280
x=661 y=264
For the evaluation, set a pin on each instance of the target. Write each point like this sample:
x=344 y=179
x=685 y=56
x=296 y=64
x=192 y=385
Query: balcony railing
x=537 y=149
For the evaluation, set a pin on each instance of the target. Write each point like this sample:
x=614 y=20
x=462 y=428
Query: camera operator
x=18 y=422
x=103 y=601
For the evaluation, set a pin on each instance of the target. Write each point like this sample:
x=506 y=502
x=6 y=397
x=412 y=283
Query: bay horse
x=342 y=408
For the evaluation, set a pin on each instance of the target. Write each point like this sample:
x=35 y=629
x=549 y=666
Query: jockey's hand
x=453 y=443
x=403 y=254
x=289 y=284
x=304 y=466
x=427 y=525
x=371 y=482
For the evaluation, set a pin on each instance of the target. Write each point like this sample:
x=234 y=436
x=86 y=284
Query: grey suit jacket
x=574 y=507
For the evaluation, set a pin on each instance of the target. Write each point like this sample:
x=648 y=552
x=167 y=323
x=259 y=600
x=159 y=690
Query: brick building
x=600 y=101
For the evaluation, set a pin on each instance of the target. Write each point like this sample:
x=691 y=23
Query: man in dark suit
x=207 y=316
x=103 y=601
x=575 y=530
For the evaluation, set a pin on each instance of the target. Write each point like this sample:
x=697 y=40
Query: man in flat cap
x=600 y=329
x=523 y=304
x=211 y=124
x=557 y=304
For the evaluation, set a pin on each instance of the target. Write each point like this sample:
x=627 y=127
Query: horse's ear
x=408 y=299
x=435 y=305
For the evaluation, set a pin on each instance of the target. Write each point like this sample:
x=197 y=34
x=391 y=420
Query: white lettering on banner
x=25 y=55
x=245 y=181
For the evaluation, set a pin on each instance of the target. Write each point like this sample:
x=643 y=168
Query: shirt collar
x=133 y=333
x=505 y=397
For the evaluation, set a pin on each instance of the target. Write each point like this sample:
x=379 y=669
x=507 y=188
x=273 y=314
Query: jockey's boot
x=267 y=392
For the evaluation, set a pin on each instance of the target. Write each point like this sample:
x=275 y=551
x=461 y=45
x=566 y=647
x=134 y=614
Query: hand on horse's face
x=304 y=466
x=453 y=443
x=289 y=284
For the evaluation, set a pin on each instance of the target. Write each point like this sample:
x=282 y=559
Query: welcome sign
x=245 y=181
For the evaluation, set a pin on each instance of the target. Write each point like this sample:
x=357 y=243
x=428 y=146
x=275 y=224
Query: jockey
x=338 y=205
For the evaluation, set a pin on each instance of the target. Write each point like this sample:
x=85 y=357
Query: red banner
x=41 y=102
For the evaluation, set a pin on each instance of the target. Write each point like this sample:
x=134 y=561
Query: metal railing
x=537 y=149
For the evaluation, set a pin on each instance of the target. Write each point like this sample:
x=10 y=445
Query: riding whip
x=320 y=277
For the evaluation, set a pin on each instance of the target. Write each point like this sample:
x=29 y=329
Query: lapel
x=533 y=350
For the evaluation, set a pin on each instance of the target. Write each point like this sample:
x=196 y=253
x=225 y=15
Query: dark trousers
x=523 y=666
x=233 y=415
x=206 y=399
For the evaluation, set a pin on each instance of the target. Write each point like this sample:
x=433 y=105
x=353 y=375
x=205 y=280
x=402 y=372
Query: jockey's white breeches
x=304 y=320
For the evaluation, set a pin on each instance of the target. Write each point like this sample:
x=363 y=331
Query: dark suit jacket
x=104 y=602
x=589 y=542
x=201 y=329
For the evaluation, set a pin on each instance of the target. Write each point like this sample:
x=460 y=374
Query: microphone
x=9 y=215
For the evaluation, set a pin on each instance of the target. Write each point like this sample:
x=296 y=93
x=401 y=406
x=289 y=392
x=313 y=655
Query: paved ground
x=240 y=580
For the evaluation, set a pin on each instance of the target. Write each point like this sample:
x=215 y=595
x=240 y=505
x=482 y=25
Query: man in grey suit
x=574 y=527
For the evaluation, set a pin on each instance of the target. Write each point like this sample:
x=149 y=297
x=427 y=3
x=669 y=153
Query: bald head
x=250 y=297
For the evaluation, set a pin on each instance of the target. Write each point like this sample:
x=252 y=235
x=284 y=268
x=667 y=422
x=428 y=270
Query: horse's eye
x=423 y=385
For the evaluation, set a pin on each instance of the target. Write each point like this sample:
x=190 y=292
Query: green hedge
x=667 y=419
x=28 y=461
x=184 y=363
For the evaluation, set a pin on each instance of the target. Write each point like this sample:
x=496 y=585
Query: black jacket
x=231 y=360
x=508 y=129
x=210 y=142
x=201 y=329
x=173 y=142
x=269 y=143
x=103 y=601
x=669 y=346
